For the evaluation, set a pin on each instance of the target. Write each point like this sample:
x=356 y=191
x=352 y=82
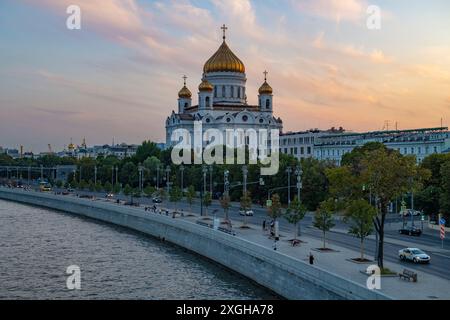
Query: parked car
x=413 y=254
x=412 y=231
x=156 y=200
x=248 y=213
x=409 y=212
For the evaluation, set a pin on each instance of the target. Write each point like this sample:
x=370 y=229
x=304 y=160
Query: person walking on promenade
x=311 y=259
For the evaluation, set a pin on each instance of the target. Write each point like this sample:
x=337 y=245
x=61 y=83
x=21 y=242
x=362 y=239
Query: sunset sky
x=118 y=77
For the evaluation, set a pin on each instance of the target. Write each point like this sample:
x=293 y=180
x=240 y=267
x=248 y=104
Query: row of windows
x=418 y=150
x=302 y=140
x=233 y=92
x=298 y=151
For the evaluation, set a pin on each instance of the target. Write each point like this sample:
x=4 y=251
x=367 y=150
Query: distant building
x=301 y=144
x=418 y=142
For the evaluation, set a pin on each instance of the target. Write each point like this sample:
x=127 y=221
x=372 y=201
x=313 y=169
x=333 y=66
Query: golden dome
x=185 y=93
x=224 y=60
x=205 y=86
x=265 y=88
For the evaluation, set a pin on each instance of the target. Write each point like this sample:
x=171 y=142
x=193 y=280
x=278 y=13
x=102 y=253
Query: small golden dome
x=185 y=93
x=224 y=60
x=205 y=86
x=265 y=88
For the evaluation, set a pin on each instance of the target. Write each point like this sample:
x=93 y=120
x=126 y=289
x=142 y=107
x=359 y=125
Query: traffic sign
x=269 y=203
x=442 y=221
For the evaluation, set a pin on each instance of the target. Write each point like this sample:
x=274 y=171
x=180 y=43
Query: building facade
x=418 y=142
x=222 y=100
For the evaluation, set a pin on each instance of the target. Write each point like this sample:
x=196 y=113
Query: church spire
x=224 y=29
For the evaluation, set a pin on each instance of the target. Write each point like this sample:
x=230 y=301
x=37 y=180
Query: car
x=248 y=213
x=412 y=231
x=109 y=195
x=414 y=254
x=156 y=200
x=409 y=212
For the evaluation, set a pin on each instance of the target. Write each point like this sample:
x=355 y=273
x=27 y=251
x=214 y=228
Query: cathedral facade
x=222 y=100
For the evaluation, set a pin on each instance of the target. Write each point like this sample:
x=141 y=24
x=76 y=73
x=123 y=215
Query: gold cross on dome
x=224 y=29
x=184 y=78
x=265 y=75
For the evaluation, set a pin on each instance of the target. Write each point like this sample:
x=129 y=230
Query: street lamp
x=298 y=173
x=289 y=171
x=245 y=173
x=95 y=175
x=140 y=177
x=168 y=178
x=210 y=179
x=157 y=177
x=182 y=176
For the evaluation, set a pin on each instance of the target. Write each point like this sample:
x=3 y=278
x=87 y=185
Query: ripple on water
x=39 y=244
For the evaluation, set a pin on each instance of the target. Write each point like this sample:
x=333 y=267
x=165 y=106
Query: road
x=439 y=266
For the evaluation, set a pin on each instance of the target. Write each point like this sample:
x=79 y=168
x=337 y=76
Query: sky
x=119 y=75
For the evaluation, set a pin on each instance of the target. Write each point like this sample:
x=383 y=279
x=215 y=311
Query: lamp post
x=298 y=173
x=157 y=177
x=245 y=173
x=289 y=171
x=140 y=177
x=168 y=179
x=210 y=179
x=203 y=190
x=226 y=191
x=182 y=177
x=117 y=174
x=95 y=175
x=112 y=176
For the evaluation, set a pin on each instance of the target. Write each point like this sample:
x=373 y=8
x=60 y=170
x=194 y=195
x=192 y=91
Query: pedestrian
x=275 y=245
x=311 y=258
x=264 y=225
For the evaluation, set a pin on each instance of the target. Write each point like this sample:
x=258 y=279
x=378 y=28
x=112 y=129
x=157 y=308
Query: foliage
x=324 y=217
x=295 y=213
x=275 y=211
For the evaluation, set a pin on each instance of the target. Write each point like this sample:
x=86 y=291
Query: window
x=267 y=104
x=405 y=150
x=309 y=150
x=223 y=91
x=412 y=150
x=215 y=92
x=207 y=102
x=228 y=120
x=232 y=91
x=261 y=120
x=186 y=105
x=239 y=92
x=302 y=150
x=245 y=118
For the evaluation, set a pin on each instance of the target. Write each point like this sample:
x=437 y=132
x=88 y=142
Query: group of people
x=271 y=227
x=155 y=209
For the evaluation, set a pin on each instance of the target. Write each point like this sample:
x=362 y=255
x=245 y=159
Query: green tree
x=207 y=200
x=294 y=214
x=129 y=173
x=98 y=186
x=360 y=215
x=324 y=218
x=146 y=150
x=128 y=191
x=225 y=202
x=149 y=191
x=108 y=187
x=175 y=196
x=117 y=188
x=444 y=199
x=275 y=211
x=190 y=196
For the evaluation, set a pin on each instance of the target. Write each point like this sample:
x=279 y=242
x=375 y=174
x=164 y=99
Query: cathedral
x=222 y=99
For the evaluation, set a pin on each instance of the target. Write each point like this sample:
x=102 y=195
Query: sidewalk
x=428 y=287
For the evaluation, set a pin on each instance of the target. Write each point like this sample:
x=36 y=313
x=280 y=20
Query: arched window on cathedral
x=215 y=92
x=267 y=104
x=239 y=92
x=232 y=91
x=207 y=102
x=223 y=91
x=186 y=105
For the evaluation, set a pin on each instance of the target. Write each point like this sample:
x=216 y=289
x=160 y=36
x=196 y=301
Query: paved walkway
x=428 y=287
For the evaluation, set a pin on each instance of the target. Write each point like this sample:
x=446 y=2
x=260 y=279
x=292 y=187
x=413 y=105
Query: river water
x=37 y=245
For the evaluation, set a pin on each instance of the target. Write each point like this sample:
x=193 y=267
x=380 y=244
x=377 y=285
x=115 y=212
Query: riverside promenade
x=331 y=269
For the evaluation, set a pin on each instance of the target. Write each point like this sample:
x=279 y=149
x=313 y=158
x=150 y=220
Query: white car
x=413 y=254
x=248 y=213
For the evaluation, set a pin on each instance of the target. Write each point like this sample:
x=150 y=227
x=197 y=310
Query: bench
x=408 y=275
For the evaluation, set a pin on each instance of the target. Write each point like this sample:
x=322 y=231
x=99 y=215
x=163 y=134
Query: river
x=37 y=245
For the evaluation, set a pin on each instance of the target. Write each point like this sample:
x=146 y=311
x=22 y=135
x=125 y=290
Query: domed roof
x=265 y=88
x=185 y=93
x=224 y=60
x=205 y=86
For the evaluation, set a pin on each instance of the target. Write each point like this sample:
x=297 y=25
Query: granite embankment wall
x=287 y=276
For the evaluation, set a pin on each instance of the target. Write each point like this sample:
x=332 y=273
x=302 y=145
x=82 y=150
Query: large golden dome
x=185 y=93
x=224 y=60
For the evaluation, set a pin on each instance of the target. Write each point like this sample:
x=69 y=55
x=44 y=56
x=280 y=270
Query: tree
x=444 y=200
x=127 y=191
x=175 y=195
x=315 y=182
x=207 y=200
x=98 y=186
x=129 y=173
x=162 y=194
x=323 y=218
x=294 y=214
x=360 y=215
x=190 y=196
x=146 y=150
x=117 y=188
x=149 y=190
x=225 y=202
x=246 y=205
x=275 y=211
x=108 y=187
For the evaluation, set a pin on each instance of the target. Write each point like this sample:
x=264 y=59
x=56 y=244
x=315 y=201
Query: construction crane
x=50 y=151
